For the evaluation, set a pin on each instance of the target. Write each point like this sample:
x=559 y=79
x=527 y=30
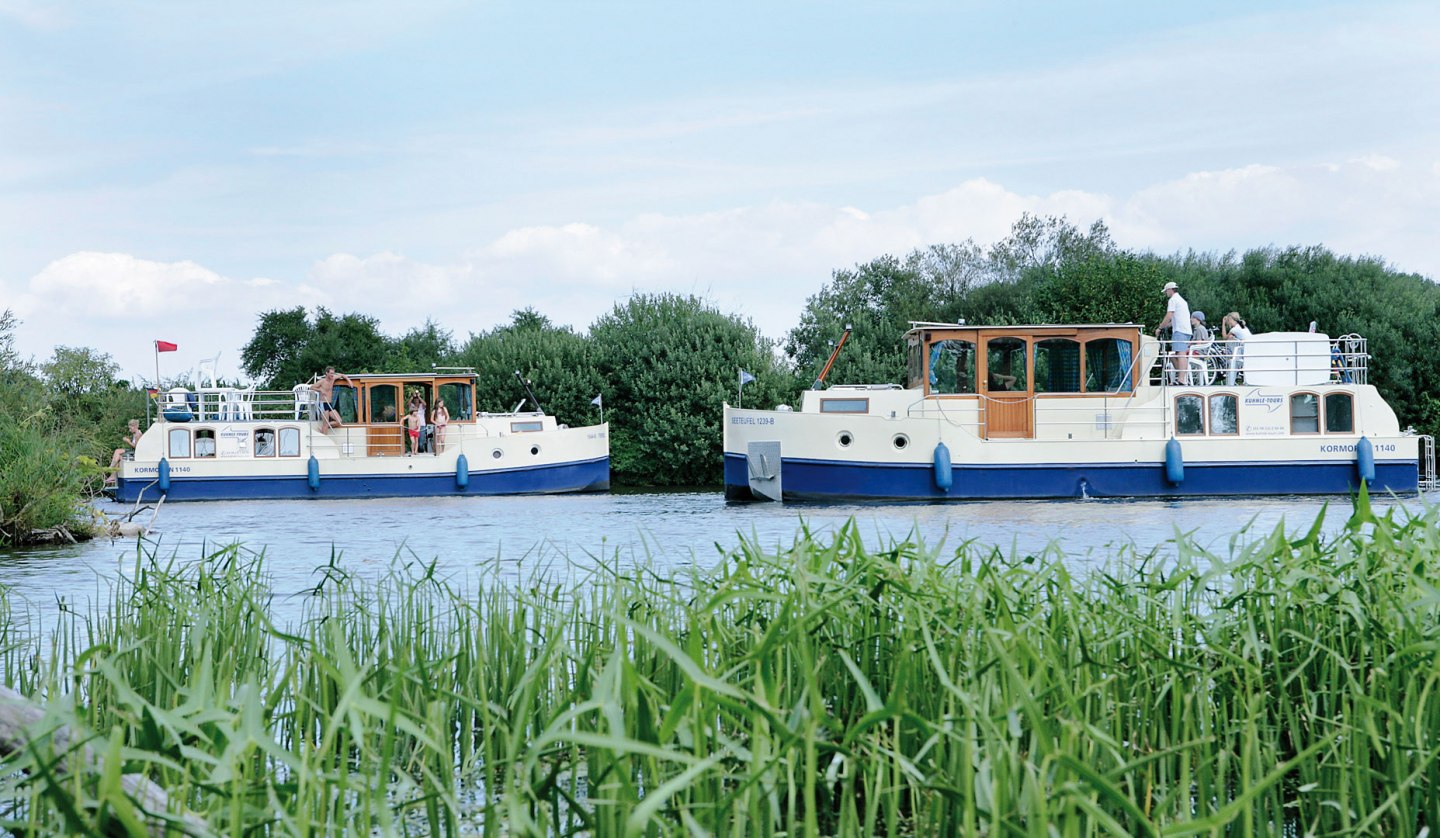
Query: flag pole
x=739 y=388
x=156 y=344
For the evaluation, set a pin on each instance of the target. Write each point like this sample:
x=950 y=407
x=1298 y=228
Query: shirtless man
x=329 y=417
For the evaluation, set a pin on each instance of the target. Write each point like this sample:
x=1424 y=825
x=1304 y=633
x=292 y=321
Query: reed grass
x=1290 y=686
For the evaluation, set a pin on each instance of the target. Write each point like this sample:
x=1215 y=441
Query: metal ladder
x=1429 y=480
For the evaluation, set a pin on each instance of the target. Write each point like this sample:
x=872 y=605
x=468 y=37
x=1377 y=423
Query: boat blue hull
x=834 y=480
x=586 y=476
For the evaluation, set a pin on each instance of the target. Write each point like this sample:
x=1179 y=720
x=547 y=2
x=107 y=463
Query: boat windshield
x=458 y=400
x=952 y=366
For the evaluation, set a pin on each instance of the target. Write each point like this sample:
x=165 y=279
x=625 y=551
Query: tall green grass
x=1290 y=686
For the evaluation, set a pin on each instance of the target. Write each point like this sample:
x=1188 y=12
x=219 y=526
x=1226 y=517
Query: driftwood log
x=21 y=721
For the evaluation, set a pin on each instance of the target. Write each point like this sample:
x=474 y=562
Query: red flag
x=165 y=346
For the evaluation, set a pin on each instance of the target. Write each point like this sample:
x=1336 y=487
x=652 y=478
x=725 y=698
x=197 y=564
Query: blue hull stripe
x=586 y=476
x=828 y=479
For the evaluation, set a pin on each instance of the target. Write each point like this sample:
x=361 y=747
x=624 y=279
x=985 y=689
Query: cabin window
x=1339 y=413
x=289 y=442
x=1224 y=414
x=1005 y=365
x=179 y=439
x=346 y=401
x=844 y=405
x=1108 y=365
x=458 y=400
x=1304 y=414
x=526 y=427
x=1057 y=366
x=264 y=442
x=205 y=442
x=383 y=399
x=1189 y=415
x=952 y=367
x=914 y=362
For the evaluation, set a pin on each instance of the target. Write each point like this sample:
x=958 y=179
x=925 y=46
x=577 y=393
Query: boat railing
x=1264 y=360
x=357 y=441
x=1429 y=480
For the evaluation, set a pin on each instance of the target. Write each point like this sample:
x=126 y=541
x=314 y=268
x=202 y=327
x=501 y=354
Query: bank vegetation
x=1287 y=685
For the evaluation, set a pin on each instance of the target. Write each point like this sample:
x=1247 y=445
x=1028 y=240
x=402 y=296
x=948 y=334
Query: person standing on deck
x=329 y=416
x=1177 y=317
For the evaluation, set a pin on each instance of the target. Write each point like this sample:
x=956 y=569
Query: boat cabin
x=380 y=401
x=229 y=422
x=1013 y=362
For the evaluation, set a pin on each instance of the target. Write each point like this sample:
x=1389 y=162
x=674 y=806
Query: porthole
x=901 y=442
x=845 y=439
x=497 y=453
x=534 y=450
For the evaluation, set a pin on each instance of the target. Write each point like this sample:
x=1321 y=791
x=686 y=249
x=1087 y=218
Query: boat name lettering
x=596 y=435
x=1350 y=449
x=154 y=469
x=752 y=420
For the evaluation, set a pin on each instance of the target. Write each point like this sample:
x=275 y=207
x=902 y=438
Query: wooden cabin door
x=384 y=437
x=1008 y=394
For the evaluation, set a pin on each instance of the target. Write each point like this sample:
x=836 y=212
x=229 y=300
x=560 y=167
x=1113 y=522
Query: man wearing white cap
x=1177 y=317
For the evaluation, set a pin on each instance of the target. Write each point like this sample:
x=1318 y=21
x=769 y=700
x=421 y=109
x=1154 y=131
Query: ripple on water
x=463 y=535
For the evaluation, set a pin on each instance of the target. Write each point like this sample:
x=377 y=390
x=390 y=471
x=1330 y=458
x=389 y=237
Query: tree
x=669 y=363
x=420 y=349
x=75 y=372
x=9 y=358
x=288 y=348
x=878 y=299
x=1037 y=243
x=1098 y=288
x=272 y=353
x=946 y=283
x=46 y=465
x=558 y=362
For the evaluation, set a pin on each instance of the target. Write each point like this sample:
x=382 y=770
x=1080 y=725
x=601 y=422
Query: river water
x=520 y=535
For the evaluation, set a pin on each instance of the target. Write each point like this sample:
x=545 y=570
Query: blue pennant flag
x=745 y=378
x=599 y=401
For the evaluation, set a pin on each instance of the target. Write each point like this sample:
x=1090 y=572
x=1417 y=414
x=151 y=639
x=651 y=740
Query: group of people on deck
x=1188 y=333
x=413 y=423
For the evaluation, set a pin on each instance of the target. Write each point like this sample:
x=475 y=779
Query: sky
x=173 y=170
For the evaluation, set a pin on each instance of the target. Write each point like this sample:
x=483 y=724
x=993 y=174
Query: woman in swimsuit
x=132 y=439
x=442 y=418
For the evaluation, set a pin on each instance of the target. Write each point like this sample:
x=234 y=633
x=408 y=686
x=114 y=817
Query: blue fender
x=1365 y=459
x=1174 y=462
x=462 y=472
x=313 y=478
x=944 y=477
x=163 y=481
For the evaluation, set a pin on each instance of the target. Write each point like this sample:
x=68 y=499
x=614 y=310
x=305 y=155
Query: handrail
x=1343 y=360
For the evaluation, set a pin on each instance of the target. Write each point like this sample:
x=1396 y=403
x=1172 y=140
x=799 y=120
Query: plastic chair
x=307 y=404
x=244 y=402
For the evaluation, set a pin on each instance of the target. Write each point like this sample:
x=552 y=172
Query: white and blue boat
x=1084 y=411
x=226 y=444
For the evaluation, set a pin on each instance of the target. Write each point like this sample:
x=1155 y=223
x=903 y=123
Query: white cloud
x=42 y=16
x=760 y=261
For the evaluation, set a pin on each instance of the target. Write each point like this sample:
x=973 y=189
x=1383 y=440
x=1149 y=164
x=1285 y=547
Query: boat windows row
x=1219 y=414
x=1013 y=364
x=384 y=403
x=182 y=443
